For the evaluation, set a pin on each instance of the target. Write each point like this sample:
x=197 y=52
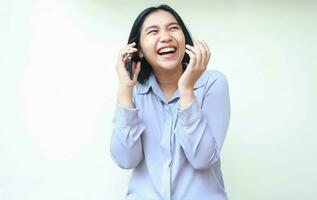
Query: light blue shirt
x=174 y=154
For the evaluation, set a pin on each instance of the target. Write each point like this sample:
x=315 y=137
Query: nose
x=165 y=36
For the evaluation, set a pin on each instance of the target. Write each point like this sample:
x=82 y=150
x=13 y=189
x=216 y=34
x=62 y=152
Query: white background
x=58 y=87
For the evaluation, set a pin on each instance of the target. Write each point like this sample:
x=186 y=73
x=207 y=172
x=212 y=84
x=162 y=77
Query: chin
x=169 y=65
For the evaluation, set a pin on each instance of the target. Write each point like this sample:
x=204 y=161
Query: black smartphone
x=128 y=64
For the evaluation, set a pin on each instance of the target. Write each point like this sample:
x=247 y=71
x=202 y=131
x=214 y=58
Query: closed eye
x=174 y=28
x=153 y=31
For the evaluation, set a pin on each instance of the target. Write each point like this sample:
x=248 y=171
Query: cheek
x=181 y=40
x=148 y=46
x=182 y=44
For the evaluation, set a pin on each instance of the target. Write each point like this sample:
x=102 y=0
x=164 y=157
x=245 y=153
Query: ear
x=140 y=54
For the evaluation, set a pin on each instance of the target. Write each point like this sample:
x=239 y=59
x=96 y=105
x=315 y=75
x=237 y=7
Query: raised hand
x=123 y=75
x=126 y=85
x=199 y=58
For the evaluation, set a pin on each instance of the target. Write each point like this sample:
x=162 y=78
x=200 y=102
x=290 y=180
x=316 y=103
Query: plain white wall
x=58 y=87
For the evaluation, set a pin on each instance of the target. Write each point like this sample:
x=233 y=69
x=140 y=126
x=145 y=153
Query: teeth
x=167 y=49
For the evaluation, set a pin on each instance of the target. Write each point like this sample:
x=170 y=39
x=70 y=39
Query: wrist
x=186 y=97
x=186 y=91
x=124 y=96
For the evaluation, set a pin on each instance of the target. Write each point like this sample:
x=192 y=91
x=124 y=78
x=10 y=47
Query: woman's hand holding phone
x=123 y=59
x=126 y=84
x=199 y=58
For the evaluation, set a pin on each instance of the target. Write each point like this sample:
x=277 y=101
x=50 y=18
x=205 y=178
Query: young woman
x=172 y=115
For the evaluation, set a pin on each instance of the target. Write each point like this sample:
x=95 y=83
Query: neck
x=168 y=81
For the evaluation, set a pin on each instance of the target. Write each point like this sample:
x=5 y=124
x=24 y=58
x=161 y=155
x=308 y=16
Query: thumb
x=137 y=70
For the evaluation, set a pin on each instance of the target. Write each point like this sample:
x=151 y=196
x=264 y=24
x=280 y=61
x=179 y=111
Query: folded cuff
x=190 y=114
x=126 y=116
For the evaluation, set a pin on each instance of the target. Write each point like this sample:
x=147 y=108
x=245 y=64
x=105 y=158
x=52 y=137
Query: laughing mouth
x=166 y=50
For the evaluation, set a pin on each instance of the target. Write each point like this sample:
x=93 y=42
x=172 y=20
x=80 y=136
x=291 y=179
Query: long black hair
x=135 y=33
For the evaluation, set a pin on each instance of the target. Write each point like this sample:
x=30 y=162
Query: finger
x=194 y=52
x=198 y=54
x=192 y=56
x=201 y=47
x=207 y=51
x=192 y=49
x=206 y=46
x=204 y=53
x=125 y=52
x=137 y=69
x=132 y=44
x=127 y=55
x=128 y=46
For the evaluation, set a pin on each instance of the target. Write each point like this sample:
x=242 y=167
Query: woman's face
x=162 y=41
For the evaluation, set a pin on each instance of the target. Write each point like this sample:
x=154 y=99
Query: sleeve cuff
x=190 y=114
x=126 y=116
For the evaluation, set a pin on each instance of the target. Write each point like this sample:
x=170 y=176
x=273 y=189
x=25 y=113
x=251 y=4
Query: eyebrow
x=155 y=26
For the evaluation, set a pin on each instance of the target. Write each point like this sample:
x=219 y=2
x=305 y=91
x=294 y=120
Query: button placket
x=166 y=150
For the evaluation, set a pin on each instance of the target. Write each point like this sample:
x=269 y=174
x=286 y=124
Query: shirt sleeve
x=203 y=127
x=126 y=145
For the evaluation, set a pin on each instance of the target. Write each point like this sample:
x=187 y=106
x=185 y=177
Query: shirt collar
x=145 y=87
x=151 y=83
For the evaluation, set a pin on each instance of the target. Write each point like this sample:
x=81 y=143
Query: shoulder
x=141 y=88
x=210 y=77
x=214 y=74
